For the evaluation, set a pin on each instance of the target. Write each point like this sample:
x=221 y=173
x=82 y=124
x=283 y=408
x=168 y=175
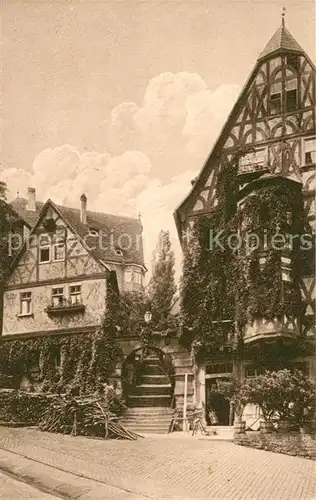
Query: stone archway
x=147 y=378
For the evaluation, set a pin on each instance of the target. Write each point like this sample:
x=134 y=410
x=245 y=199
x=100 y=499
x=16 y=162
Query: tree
x=288 y=396
x=162 y=287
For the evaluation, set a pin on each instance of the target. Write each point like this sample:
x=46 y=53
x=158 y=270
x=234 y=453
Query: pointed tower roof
x=281 y=40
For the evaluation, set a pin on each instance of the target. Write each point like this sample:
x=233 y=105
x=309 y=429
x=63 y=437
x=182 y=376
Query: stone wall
x=292 y=443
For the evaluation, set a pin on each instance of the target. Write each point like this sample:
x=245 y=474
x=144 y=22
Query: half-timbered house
x=269 y=138
x=58 y=282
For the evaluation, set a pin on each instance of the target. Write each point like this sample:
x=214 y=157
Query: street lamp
x=146 y=333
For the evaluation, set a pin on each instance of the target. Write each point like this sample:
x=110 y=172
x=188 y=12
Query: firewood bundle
x=86 y=416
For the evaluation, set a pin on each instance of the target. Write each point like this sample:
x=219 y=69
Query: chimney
x=31 y=200
x=83 y=209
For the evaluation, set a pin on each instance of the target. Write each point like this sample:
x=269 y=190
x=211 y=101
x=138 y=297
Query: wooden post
x=185 y=401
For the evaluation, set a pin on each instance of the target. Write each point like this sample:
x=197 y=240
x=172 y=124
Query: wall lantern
x=147 y=316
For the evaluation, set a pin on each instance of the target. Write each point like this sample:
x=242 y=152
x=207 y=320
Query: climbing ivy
x=238 y=283
x=85 y=360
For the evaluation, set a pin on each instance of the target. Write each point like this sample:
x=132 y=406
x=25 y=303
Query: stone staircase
x=149 y=405
x=148 y=420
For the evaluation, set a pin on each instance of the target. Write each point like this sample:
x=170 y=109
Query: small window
x=137 y=277
x=58 y=298
x=93 y=232
x=309 y=151
x=275 y=103
x=26 y=303
x=118 y=251
x=128 y=276
x=253 y=161
x=291 y=99
x=59 y=251
x=293 y=60
x=44 y=254
x=75 y=294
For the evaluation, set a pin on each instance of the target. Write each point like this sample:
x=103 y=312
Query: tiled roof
x=117 y=231
x=281 y=40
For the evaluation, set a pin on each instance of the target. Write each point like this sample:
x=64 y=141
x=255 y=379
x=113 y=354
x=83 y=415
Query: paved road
x=172 y=467
x=10 y=489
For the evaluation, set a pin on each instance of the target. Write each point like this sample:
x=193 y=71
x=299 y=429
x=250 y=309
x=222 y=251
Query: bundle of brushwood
x=85 y=416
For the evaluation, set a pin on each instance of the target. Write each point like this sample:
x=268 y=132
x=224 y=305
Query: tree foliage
x=283 y=394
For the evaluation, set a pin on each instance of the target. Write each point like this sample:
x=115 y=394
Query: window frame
x=273 y=111
x=28 y=301
x=54 y=247
x=294 y=108
x=45 y=247
x=254 y=151
x=58 y=295
x=74 y=294
x=304 y=152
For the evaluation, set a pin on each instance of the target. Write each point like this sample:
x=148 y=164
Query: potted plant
x=239 y=401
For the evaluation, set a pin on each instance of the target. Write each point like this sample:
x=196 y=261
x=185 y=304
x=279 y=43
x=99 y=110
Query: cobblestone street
x=11 y=489
x=172 y=466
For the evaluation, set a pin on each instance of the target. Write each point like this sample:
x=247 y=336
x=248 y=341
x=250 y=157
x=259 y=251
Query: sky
x=124 y=99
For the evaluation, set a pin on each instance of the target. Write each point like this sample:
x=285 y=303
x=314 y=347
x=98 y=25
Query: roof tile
x=117 y=232
x=281 y=40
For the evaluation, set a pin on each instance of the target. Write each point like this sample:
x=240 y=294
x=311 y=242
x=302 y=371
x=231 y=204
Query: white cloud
x=159 y=147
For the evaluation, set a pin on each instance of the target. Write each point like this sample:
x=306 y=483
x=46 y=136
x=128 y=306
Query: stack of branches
x=86 y=416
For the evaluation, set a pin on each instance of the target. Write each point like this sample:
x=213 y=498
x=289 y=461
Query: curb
x=59 y=483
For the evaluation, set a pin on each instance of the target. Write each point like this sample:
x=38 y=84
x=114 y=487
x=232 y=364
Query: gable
x=74 y=258
x=265 y=131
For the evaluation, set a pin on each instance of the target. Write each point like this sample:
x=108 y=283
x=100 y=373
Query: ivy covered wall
x=230 y=278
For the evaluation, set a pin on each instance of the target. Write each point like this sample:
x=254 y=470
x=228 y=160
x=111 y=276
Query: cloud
x=155 y=149
x=176 y=123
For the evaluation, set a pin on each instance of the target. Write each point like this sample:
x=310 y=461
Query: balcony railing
x=65 y=306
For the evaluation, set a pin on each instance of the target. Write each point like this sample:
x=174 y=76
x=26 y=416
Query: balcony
x=64 y=306
x=263 y=330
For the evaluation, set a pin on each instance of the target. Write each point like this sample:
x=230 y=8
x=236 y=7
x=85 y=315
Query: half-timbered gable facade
x=270 y=134
x=58 y=282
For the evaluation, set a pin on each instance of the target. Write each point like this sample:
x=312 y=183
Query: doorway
x=217 y=407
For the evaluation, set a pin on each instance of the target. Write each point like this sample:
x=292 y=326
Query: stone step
x=181 y=371
x=148 y=428
x=151 y=389
x=183 y=362
x=150 y=369
x=155 y=379
x=136 y=422
x=154 y=400
x=155 y=411
x=163 y=417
